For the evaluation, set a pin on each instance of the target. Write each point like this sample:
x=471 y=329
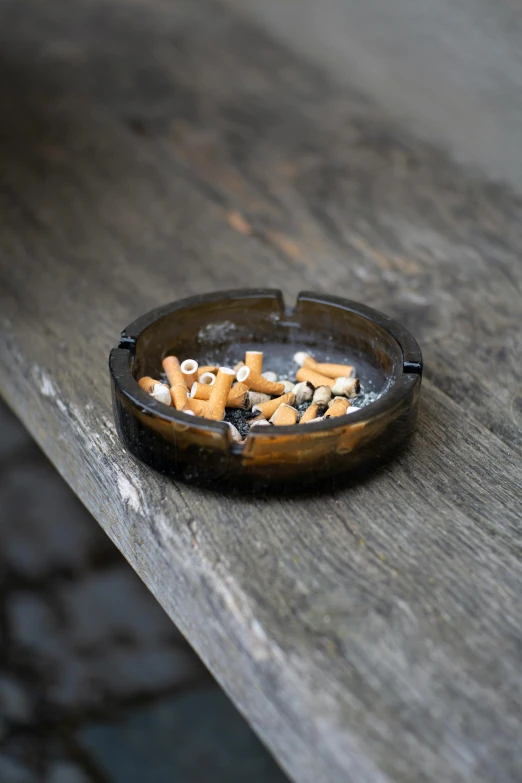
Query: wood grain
x=369 y=636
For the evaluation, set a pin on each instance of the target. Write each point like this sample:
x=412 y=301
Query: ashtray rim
x=120 y=364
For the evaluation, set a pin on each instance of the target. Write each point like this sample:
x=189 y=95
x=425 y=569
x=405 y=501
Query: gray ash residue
x=240 y=419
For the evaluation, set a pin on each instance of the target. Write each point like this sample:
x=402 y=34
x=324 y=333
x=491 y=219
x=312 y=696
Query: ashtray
x=219 y=328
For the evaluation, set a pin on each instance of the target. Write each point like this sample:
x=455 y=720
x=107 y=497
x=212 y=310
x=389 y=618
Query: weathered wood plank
x=373 y=635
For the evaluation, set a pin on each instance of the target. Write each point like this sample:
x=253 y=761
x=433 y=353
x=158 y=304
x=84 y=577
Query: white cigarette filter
x=260 y=423
x=303 y=391
x=219 y=393
x=189 y=368
x=322 y=396
x=270 y=376
x=270 y=407
x=256 y=382
x=207 y=378
x=213 y=368
x=284 y=416
x=325 y=368
x=156 y=389
x=346 y=387
x=337 y=407
x=312 y=421
x=254 y=360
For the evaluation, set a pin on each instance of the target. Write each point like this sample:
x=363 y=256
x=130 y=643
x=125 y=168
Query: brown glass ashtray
x=218 y=328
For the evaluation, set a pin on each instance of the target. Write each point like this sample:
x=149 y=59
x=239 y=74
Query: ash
x=240 y=418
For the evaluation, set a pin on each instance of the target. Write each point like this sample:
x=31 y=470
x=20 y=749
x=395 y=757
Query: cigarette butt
x=200 y=391
x=213 y=368
x=189 y=368
x=270 y=376
x=219 y=393
x=346 y=387
x=172 y=369
x=207 y=378
x=304 y=392
x=238 y=366
x=238 y=396
x=254 y=360
x=334 y=370
x=312 y=421
x=178 y=387
x=306 y=374
x=324 y=368
x=310 y=413
x=197 y=407
x=257 y=383
x=256 y=398
x=322 y=396
x=289 y=386
x=179 y=396
x=269 y=408
x=284 y=416
x=337 y=407
x=260 y=423
x=156 y=389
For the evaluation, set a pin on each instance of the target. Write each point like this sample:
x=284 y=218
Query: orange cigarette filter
x=325 y=368
x=199 y=407
x=254 y=360
x=284 y=416
x=172 y=369
x=257 y=383
x=213 y=368
x=338 y=407
x=178 y=387
x=219 y=393
x=334 y=370
x=235 y=399
x=310 y=413
x=269 y=408
x=148 y=384
x=200 y=391
x=315 y=378
x=189 y=369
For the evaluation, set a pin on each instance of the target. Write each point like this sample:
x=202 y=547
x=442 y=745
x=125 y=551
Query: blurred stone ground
x=96 y=683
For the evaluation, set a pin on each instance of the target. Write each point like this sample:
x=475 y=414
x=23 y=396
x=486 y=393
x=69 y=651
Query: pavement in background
x=96 y=683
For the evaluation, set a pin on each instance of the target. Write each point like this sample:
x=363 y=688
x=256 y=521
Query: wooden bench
x=150 y=151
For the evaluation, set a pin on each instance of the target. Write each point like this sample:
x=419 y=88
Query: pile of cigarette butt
x=246 y=397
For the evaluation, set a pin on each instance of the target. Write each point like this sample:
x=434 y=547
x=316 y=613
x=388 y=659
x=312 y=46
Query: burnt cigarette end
x=304 y=392
x=346 y=387
x=322 y=396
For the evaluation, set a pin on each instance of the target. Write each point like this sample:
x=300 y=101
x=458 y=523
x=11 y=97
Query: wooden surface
x=370 y=636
